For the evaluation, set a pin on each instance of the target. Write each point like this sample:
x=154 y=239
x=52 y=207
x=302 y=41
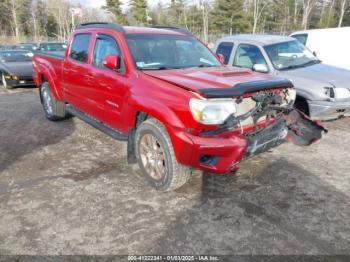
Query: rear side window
x=302 y=38
x=80 y=47
x=225 y=48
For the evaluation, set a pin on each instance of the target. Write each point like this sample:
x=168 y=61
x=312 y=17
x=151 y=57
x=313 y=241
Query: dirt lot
x=65 y=188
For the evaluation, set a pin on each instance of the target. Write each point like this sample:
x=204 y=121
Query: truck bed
x=49 y=64
x=56 y=55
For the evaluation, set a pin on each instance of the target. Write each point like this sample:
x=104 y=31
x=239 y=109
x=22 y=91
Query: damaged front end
x=265 y=117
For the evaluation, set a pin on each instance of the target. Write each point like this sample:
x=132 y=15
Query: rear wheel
x=157 y=159
x=53 y=109
x=4 y=82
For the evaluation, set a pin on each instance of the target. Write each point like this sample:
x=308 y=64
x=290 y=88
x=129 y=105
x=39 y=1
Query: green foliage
x=229 y=16
x=52 y=18
x=139 y=12
x=114 y=6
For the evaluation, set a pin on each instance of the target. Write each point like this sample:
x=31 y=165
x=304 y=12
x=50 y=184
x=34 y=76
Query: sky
x=99 y=3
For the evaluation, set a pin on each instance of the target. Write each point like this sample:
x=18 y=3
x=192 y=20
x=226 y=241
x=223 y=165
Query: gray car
x=323 y=91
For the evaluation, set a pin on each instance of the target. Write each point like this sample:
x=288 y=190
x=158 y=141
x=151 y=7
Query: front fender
x=153 y=108
x=303 y=93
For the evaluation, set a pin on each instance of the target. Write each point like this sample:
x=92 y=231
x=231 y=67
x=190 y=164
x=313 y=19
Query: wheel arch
x=141 y=112
x=45 y=76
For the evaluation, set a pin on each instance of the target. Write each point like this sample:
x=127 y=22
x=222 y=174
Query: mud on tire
x=152 y=142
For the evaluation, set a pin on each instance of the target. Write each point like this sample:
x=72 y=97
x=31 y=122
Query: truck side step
x=97 y=124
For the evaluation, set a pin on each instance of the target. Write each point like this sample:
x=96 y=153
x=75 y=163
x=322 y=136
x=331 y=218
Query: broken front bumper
x=326 y=110
x=222 y=153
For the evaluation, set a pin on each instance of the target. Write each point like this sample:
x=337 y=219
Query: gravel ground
x=65 y=188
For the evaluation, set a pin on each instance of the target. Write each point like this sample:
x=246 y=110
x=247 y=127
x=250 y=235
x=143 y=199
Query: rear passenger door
x=225 y=49
x=76 y=73
x=109 y=86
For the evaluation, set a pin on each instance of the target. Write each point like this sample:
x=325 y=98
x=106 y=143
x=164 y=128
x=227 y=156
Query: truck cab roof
x=136 y=30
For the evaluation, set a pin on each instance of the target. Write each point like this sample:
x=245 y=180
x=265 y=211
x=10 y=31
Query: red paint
x=116 y=98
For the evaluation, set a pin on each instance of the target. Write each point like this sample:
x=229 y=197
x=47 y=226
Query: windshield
x=15 y=56
x=30 y=47
x=288 y=55
x=53 y=47
x=169 y=51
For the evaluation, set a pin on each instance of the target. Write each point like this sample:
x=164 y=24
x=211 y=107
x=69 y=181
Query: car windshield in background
x=53 y=47
x=157 y=52
x=15 y=56
x=29 y=47
x=289 y=55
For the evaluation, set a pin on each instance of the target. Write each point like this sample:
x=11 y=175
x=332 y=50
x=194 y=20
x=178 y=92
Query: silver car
x=323 y=91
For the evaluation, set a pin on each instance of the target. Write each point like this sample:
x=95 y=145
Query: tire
x=166 y=174
x=53 y=109
x=4 y=83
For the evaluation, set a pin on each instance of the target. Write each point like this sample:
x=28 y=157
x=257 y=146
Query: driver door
x=108 y=86
x=248 y=55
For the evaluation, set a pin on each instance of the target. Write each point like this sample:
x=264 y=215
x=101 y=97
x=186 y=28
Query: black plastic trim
x=242 y=88
x=97 y=124
x=113 y=26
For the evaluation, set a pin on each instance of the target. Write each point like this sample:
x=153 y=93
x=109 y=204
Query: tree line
x=44 y=19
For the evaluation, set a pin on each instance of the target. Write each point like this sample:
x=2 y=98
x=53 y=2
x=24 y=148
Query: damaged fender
x=302 y=130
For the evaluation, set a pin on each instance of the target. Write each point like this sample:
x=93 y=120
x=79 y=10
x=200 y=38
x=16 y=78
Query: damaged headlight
x=212 y=111
x=292 y=95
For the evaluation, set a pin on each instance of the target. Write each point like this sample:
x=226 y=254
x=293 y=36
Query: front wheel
x=53 y=109
x=157 y=159
x=4 y=82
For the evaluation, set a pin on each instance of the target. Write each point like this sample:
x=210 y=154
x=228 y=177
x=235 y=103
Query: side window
x=80 y=47
x=225 y=48
x=247 y=56
x=302 y=38
x=105 y=45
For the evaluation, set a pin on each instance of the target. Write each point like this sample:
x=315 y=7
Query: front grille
x=26 y=78
x=270 y=137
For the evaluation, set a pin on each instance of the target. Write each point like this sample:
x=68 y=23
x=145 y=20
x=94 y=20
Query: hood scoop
x=231 y=73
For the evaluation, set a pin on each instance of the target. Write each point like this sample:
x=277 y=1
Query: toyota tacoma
x=174 y=102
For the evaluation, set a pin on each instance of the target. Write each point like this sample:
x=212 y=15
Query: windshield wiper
x=205 y=65
x=158 y=68
x=313 y=62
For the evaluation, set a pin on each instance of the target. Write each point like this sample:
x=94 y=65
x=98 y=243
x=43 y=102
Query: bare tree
x=205 y=17
x=308 y=6
x=14 y=13
x=343 y=7
x=258 y=9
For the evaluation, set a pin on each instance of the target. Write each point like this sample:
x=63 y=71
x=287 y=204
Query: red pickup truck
x=174 y=102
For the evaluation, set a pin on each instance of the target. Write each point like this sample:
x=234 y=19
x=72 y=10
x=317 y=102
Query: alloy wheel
x=152 y=156
x=47 y=102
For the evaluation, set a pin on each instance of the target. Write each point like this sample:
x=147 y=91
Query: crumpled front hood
x=195 y=79
x=319 y=74
x=18 y=68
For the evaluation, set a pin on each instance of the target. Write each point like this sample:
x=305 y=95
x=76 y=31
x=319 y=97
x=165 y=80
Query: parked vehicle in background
x=7 y=47
x=16 y=68
x=323 y=91
x=27 y=46
x=52 y=47
x=178 y=110
x=330 y=45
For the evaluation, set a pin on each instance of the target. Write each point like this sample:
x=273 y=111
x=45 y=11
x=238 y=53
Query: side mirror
x=112 y=62
x=261 y=68
x=221 y=58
